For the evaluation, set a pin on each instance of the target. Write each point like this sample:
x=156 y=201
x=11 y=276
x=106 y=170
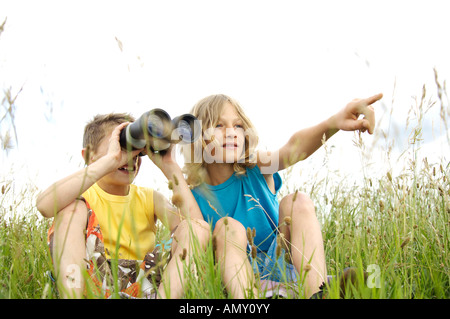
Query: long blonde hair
x=208 y=111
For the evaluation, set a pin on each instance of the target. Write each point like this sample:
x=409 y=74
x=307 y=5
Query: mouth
x=127 y=169
x=230 y=145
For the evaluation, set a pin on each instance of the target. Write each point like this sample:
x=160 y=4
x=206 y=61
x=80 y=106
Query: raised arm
x=66 y=190
x=306 y=141
x=182 y=196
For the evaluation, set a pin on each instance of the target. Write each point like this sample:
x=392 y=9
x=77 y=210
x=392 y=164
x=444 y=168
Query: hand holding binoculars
x=156 y=131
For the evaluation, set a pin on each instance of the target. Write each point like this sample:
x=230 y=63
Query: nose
x=230 y=132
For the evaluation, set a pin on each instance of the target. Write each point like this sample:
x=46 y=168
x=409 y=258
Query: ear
x=87 y=156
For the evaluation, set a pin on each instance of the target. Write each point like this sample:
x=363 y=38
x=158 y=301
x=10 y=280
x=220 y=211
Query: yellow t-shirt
x=131 y=215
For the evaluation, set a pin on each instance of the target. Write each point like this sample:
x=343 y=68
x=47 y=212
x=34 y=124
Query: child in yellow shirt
x=101 y=216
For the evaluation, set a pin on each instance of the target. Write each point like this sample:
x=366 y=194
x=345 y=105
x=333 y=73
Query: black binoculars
x=156 y=131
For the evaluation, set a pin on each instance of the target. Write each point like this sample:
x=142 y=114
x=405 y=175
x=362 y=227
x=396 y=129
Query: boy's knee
x=297 y=203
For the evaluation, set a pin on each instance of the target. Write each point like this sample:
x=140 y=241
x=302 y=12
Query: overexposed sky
x=290 y=64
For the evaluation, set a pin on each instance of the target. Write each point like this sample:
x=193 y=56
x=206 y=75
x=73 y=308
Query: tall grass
x=24 y=256
x=392 y=224
x=400 y=225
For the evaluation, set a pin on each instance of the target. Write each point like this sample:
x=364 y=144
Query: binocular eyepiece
x=157 y=131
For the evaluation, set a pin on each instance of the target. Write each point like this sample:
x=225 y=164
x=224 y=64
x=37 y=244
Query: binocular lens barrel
x=155 y=126
x=156 y=130
x=187 y=128
x=185 y=131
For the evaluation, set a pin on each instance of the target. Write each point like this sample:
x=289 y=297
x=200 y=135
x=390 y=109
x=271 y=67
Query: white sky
x=290 y=64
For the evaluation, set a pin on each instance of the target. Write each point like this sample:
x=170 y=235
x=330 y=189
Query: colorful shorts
x=139 y=279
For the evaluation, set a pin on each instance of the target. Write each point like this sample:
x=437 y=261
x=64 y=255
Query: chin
x=125 y=179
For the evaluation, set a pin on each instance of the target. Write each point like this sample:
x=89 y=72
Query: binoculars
x=156 y=131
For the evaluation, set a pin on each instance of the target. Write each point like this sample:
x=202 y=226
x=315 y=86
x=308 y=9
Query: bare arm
x=65 y=191
x=306 y=141
x=167 y=213
x=182 y=196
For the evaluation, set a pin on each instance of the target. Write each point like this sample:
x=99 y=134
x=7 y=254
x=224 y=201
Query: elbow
x=43 y=212
x=41 y=207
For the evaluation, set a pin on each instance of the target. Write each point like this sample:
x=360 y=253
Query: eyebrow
x=235 y=120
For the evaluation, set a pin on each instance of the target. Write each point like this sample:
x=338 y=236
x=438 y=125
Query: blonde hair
x=208 y=111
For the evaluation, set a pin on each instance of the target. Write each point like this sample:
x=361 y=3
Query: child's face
x=126 y=173
x=228 y=142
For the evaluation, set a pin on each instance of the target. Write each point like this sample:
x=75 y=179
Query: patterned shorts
x=138 y=279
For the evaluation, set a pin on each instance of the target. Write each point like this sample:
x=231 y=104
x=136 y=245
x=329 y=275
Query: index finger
x=122 y=125
x=373 y=99
x=118 y=129
x=367 y=110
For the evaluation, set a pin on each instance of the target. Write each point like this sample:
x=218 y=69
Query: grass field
x=395 y=227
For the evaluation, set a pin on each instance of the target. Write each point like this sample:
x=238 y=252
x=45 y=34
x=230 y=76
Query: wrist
x=171 y=168
x=333 y=122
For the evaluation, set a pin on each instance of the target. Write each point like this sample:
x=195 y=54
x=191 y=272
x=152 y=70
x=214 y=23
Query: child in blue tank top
x=247 y=199
x=236 y=189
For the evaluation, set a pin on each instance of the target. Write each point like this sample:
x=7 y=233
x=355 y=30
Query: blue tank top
x=246 y=198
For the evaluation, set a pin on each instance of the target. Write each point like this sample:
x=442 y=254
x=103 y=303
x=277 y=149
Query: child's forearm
x=65 y=191
x=305 y=142
x=182 y=195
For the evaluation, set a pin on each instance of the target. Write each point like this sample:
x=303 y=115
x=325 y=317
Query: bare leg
x=231 y=253
x=305 y=238
x=172 y=284
x=69 y=249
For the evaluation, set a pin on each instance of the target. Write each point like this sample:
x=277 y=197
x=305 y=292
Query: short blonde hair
x=102 y=124
x=208 y=111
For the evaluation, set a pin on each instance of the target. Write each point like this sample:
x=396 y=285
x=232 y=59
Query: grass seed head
x=405 y=242
x=183 y=255
x=278 y=251
x=381 y=203
x=175 y=179
x=249 y=236
x=287 y=258
x=214 y=243
x=254 y=254
x=177 y=200
x=295 y=196
x=307 y=268
x=87 y=154
x=288 y=220
x=389 y=176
